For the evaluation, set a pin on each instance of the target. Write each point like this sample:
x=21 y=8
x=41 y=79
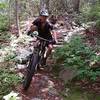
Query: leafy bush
x=5 y=36
x=3 y=23
x=10 y=57
x=85 y=10
x=8 y=80
x=90 y=13
x=77 y=55
x=98 y=26
x=94 y=13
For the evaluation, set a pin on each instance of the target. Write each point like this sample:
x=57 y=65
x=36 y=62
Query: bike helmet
x=44 y=13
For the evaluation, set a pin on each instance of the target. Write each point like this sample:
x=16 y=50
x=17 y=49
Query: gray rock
x=20 y=66
x=44 y=77
x=50 y=84
x=23 y=56
x=67 y=74
x=53 y=91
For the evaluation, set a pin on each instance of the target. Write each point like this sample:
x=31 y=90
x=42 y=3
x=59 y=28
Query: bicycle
x=35 y=60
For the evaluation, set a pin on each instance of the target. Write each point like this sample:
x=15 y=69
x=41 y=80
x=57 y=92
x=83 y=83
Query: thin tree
x=76 y=5
x=9 y=14
x=44 y=4
x=17 y=18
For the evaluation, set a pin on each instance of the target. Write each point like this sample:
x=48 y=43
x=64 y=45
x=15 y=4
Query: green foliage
x=98 y=25
x=8 y=80
x=85 y=10
x=95 y=12
x=5 y=36
x=3 y=16
x=3 y=23
x=90 y=13
x=10 y=57
x=3 y=5
x=77 y=55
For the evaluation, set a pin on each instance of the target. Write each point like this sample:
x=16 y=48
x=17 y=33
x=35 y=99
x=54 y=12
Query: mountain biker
x=45 y=31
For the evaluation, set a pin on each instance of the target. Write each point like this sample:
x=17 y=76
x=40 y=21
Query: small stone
x=20 y=66
x=50 y=84
x=42 y=83
x=36 y=99
x=45 y=90
x=21 y=75
x=53 y=91
x=45 y=78
x=12 y=69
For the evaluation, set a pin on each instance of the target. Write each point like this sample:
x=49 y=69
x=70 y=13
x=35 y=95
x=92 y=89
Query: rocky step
x=57 y=46
x=59 y=43
x=65 y=34
x=61 y=40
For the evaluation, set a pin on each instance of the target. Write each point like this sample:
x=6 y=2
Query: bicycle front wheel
x=30 y=71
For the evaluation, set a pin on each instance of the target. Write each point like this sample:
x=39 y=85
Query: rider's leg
x=49 y=50
x=47 y=53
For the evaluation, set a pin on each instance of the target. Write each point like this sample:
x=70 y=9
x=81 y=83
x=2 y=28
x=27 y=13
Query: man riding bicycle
x=45 y=31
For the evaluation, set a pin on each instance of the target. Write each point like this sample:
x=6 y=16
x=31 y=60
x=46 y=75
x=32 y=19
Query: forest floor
x=44 y=86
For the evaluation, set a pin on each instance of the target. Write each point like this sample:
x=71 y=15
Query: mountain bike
x=35 y=60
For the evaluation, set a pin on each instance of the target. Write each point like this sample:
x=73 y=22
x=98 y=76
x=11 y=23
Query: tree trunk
x=65 y=4
x=76 y=5
x=44 y=4
x=9 y=14
x=47 y=4
x=17 y=18
x=41 y=4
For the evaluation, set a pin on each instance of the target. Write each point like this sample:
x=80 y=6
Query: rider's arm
x=33 y=27
x=54 y=33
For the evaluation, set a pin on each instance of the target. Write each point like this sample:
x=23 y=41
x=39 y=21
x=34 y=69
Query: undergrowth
x=77 y=55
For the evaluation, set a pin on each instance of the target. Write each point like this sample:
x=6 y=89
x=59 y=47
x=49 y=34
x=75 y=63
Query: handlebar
x=43 y=39
x=35 y=34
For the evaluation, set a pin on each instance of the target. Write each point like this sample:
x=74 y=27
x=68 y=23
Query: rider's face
x=43 y=18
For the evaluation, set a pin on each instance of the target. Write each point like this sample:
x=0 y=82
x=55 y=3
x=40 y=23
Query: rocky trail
x=44 y=86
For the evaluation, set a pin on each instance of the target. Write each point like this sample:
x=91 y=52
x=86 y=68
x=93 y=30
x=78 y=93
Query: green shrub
x=8 y=80
x=77 y=55
x=85 y=10
x=10 y=57
x=98 y=25
x=90 y=13
x=3 y=23
x=5 y=35
x=94 y=13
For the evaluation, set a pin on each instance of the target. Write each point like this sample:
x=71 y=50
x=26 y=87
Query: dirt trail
x=44 y=86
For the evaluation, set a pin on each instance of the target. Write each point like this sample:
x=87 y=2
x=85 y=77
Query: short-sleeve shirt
x=45 y=31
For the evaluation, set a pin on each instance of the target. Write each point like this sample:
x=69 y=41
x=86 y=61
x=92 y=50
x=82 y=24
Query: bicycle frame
x=35 y=61
x=40 y=50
